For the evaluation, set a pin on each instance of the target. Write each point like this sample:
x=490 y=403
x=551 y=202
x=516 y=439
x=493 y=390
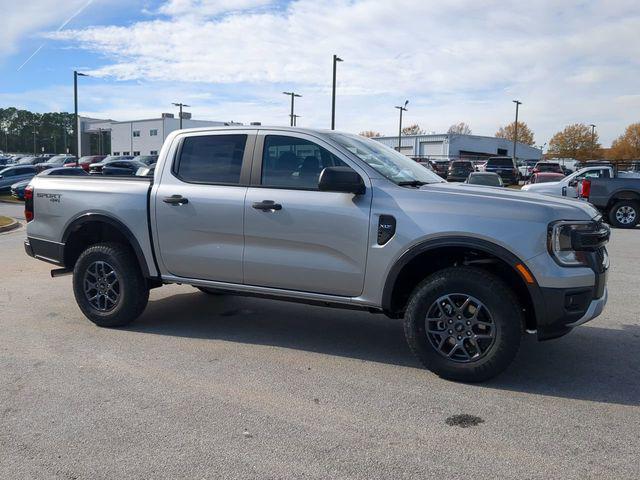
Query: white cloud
x=208 y=7
x=460 y=60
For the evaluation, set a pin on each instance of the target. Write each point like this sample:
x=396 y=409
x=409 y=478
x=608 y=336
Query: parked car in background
x=122 y=167
x=440 y=167
x=546 y=177
x=17 y=189
x=4 y=161
x=618 y=198
x=526 y=168
x=459 y=170
x=488 y=179
x=31 y=160
x=56 y=161
x=146 y=171
x=11 y=175
x=146 y=159
x=96 y=168
x=84 y=162
x=505 y=167
x=547 y=167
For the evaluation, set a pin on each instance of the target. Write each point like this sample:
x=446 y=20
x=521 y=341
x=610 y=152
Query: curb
x=11 y=202
x=11 y=226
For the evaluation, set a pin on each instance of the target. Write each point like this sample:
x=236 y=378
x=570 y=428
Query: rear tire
x=109 y=286
x=625 y=214
x=471 y=343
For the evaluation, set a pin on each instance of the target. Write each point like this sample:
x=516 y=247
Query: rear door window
x=211 y=159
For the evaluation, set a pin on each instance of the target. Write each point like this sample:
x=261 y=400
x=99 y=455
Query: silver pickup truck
x=330 y=219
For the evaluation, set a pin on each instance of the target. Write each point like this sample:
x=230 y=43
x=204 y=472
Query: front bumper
x=558 y=310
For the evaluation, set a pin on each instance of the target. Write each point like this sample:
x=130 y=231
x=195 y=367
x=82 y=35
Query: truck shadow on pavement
x=591 y=363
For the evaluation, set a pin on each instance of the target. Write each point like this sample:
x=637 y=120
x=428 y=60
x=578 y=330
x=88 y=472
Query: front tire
x=624 y=214
x=109 y=286
x=464 y=324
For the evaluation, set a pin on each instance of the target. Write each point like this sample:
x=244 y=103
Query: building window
x=116 y=153
x=153 y=152
x=153 y=132
x=502 y=151
x=135 y=154
x=125 y=153
x=136 y=133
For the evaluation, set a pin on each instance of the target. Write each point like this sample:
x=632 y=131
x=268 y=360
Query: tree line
x=53 y=131
x=578 y=141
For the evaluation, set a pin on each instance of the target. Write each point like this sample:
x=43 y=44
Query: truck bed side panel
x=59 y=201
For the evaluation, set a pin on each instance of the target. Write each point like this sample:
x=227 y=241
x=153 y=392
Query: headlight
x=561 y=242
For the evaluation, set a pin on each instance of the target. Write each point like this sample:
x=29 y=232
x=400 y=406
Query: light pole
x=593 y=138
x=336 y=59
x=402 y=109
x=515 y=130
x=55 y=146
x=295 y=120
x=180 y=105
x=34 y=140
x=293 y=96
x=76 y=132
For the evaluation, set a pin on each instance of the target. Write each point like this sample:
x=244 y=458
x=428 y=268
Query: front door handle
x=266 y=205
x=175 y=200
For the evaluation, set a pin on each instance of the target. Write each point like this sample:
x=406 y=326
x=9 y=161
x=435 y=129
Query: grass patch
x=6 y=197
x=5 y=221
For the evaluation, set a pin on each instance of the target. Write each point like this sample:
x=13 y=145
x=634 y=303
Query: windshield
x=387 y=162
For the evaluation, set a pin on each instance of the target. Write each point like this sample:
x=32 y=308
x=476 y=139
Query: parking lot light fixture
x=180 y=105
x=76 y=127
x=402 y=108
x=336 y=59
x=291 y=115
x=593 y=138
x=515 y=131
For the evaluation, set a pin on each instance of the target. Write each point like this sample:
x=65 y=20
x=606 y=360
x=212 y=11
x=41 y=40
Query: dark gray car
x=11 y=175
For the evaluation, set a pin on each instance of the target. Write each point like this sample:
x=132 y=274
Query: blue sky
x=459 y=60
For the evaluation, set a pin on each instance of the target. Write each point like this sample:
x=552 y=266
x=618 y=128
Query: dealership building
x=134 y=137
x=451 y=146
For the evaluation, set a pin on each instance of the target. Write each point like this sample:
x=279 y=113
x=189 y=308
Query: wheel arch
x=91 y=228
x=623 y=195
x=432 y=255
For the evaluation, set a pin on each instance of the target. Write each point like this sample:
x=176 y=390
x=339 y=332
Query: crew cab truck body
x=617 y=198
x=567 y=187
x=329 y=219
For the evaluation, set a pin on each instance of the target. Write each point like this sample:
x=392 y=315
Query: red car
x=547 y=167
x=84 y=162
x=545 y=177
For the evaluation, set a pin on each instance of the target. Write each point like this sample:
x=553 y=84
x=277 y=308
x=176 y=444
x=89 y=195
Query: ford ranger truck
x=330 y=219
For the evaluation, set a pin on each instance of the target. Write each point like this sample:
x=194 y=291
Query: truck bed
x=61 y=202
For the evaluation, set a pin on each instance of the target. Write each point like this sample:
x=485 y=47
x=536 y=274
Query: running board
x=59 y=272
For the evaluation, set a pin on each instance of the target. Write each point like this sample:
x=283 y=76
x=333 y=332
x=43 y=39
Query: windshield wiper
x=412 y=183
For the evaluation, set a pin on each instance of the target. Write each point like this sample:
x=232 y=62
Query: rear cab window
x=211 y=159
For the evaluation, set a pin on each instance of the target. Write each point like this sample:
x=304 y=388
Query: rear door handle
x=267 y=205
x=175 y=200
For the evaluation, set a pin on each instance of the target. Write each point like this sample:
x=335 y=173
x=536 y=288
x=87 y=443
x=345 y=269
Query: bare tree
x=370 y=134
x=460 y=128
x=412 y=130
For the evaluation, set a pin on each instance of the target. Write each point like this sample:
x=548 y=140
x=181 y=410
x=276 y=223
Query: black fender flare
x=455 y=241
x=89 y=217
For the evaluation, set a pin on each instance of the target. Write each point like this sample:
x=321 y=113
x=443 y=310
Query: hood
x=532 y=187
x=554 y=208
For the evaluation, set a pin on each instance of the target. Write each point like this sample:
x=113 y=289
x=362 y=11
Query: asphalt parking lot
x=230 y=387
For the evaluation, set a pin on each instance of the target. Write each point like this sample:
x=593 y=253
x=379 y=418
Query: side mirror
x=573 y=183
x=340 y=179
